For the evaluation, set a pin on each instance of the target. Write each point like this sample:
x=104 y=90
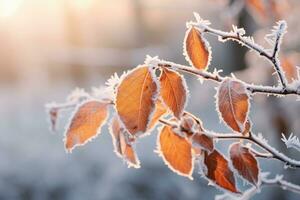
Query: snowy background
x=50 y=47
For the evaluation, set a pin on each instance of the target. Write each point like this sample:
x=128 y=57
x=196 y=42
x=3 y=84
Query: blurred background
x=49 y=47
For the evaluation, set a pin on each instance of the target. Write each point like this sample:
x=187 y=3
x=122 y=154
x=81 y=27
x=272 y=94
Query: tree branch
x=218 y=78
x=273 y=153
x=278 y=181
x=259 y=142
x=238 y=36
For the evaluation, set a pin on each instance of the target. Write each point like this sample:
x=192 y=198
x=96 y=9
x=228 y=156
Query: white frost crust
x=70 y=121
x=277 y=32
x=291 y=142
x=78 y=95
x=160 y=154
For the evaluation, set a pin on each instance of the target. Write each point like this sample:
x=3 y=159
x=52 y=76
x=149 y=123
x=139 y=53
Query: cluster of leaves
x=152 y=94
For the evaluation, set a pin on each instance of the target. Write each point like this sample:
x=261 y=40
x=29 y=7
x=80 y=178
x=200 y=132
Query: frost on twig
x=53 y=109
x=280 y=182
x=291 y=142
x=275 y=37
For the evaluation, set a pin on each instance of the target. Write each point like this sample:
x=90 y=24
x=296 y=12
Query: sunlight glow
x=9 y=7
x=82 y=4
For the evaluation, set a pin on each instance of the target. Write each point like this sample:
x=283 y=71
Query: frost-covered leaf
x=176 y=152
x=122 y=144
x=233 y=103
x=173 y=91
x=160 y=110
x=202 y=141
x=135 y=99
x=196 y=49
x=244 y=162
x=219 y=172
x=85 y=123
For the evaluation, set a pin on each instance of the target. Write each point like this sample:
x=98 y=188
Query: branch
x=262 y=144
x=259 y=141
x=278 y=181
x=155 y=61
x=238 y=35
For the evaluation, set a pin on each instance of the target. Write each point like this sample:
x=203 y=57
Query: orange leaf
x=135 y=100
x=86 y=123
x=196 y=49
x=122 y=146
x=159 y=111
x=202 y=141
x=244 y=162
x=233 y=103
x=176 y=152
x=219 y=172
x=173 y=91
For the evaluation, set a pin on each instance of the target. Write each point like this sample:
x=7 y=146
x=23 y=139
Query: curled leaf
x=122 y=146
x=202 y=141
x=219 y=172
x=196 y=49
x=135 y=99
x=233 y=103
x=159 y=111
x=176 y=152
x=173 y=91
x=244 y=162
x=86 y=123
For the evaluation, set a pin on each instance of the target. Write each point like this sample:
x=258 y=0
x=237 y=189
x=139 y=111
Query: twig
x=217 y=78
x=238 y=36
x=278 y=181
x=260 y=154
x=252 y=138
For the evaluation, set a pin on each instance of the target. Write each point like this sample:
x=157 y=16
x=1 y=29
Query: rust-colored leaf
x=135 y=99
x=244 y=162
x=176 y=152
x=122 y=146
x=86 y=123
x=202 y=141
x=233 y=103
x=219 y=172
x=159 y=111
x=173 y=91
x=197 y=49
